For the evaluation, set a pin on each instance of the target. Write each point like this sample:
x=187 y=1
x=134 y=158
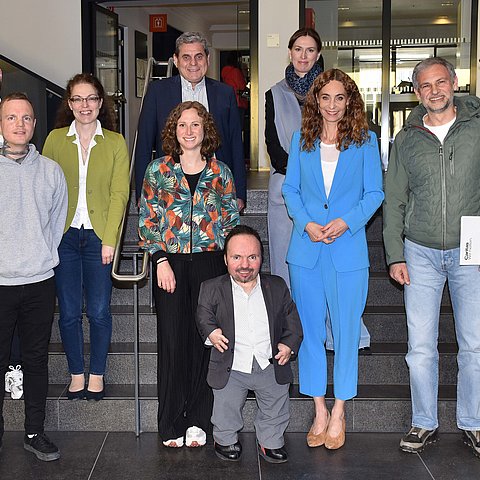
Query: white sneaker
x=195 y=437
x=174 y=442
x=14 y=382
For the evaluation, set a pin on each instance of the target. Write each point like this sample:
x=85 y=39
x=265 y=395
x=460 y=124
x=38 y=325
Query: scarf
x=301 y=85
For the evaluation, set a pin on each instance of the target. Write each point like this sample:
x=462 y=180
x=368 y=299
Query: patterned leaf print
x=168 y=221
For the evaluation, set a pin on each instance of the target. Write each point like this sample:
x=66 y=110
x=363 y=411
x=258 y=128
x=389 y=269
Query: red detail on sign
x=310 y=18
x=158 y=22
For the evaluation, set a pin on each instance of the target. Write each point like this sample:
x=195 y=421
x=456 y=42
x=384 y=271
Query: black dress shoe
x=95 y=395
x=230 y=453
x=273 y=455
x=80 y=395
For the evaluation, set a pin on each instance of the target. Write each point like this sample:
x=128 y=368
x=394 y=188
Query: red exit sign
x=158 y=22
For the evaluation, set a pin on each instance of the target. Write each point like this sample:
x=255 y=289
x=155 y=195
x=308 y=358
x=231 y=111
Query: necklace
x=85 y=150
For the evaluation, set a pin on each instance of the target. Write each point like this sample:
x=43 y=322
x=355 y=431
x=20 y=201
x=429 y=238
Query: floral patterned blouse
x=173 y=220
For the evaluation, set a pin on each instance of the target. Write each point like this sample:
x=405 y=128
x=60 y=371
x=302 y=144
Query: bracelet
x=161 y=260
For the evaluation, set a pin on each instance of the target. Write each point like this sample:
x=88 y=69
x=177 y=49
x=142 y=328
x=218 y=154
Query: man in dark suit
x=191 y=57
x=253 y=325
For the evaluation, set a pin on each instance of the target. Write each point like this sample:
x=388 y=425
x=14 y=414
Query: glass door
x=379 y=42
x=443 y=31
x=106 y=58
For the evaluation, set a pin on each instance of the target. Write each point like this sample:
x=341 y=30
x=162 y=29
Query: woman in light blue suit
x=332 y=188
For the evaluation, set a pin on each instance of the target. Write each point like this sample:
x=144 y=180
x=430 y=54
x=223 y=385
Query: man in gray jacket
x=33 y=195
x=433 y=180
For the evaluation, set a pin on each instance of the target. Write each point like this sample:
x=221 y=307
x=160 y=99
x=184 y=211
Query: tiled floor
x=118 y=456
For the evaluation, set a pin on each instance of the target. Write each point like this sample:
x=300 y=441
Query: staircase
x=383 y=401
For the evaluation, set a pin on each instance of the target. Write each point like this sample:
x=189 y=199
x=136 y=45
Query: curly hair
x=352 y=128
x=211 y=138
x=65 y=115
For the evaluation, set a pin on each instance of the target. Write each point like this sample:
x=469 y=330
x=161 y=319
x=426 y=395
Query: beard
x=244 y=275
x=440 y=109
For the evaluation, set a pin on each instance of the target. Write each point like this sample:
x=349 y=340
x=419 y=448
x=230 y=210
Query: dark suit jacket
x=164 y=95
x=215 y=310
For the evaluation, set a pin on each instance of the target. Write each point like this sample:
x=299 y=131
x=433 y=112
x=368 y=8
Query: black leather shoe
x=76 y=395
x=230 y=453
x=273 y=455
x=95 y=395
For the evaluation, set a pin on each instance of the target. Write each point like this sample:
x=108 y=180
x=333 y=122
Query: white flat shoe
x=195 y=437
x=174 y=442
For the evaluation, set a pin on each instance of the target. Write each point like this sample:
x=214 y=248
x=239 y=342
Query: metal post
x=136 y=349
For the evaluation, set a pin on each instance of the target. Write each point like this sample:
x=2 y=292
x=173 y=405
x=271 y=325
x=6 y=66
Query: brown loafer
x=317 y=440
x=333 y=443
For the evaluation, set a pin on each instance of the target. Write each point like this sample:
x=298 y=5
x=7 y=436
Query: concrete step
x=383 y=291
x=383 y=364
x=386 y=324
x=384 y=408
x=122 y=325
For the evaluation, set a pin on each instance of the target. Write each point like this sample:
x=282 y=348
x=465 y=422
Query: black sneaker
x=42 y=447
x=472 y=439
x=416 y=439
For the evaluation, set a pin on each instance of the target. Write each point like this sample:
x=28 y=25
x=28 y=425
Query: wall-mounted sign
x=310 y=18
x=158 y=22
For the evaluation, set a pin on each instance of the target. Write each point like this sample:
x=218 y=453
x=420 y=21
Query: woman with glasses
x=95 y=162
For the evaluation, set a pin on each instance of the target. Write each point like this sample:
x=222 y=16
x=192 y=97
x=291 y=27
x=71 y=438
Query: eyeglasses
x=78 y=100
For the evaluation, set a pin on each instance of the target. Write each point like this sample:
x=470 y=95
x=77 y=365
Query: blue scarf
x=301 y=85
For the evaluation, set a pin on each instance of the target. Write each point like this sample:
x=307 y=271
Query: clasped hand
x=326 y=233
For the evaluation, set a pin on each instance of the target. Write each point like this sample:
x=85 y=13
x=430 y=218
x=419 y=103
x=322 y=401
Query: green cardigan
x=108 y=186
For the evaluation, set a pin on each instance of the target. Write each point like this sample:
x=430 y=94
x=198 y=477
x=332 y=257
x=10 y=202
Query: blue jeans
x=81 y=273
x=429 y=269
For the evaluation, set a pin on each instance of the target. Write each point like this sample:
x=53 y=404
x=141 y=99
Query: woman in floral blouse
x=188 y=206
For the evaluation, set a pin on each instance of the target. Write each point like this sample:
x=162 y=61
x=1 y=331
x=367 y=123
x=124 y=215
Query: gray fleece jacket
x=33 y=208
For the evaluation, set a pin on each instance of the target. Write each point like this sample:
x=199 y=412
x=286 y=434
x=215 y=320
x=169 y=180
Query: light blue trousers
x=344 y=294
x=429 y=269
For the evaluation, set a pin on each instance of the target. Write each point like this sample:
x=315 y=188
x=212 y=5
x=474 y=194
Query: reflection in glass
x=352 y=36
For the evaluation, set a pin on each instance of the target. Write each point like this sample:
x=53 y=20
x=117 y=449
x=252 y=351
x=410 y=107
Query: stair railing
x=135 y=278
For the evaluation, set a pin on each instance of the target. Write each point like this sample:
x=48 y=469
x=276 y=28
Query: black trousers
x=184 y=397
x=31 y=308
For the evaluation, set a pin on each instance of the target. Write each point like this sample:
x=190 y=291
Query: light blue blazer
x=355 y=195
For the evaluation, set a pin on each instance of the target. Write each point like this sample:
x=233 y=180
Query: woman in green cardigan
x=95 y=162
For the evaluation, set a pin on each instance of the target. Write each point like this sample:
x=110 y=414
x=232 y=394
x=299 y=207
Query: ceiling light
x=344 y=8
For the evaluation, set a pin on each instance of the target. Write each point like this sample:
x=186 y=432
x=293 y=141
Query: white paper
x=470 y=241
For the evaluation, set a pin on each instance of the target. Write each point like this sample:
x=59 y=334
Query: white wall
x=132 y=19
x=272 y=61
x=43 y=36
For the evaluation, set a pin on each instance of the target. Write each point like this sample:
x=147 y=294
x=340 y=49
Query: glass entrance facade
x=354 y=36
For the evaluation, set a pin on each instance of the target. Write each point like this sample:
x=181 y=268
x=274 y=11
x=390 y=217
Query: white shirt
x=440 y=131
x=81 y=213
x=197 y=94
x=329 y=159
x=252 y=331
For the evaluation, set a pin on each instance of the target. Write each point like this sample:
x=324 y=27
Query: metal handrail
x=135 y=278
x=123 y=277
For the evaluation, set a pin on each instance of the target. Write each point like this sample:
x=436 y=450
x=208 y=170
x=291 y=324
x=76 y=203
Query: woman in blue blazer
x=332 y=187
